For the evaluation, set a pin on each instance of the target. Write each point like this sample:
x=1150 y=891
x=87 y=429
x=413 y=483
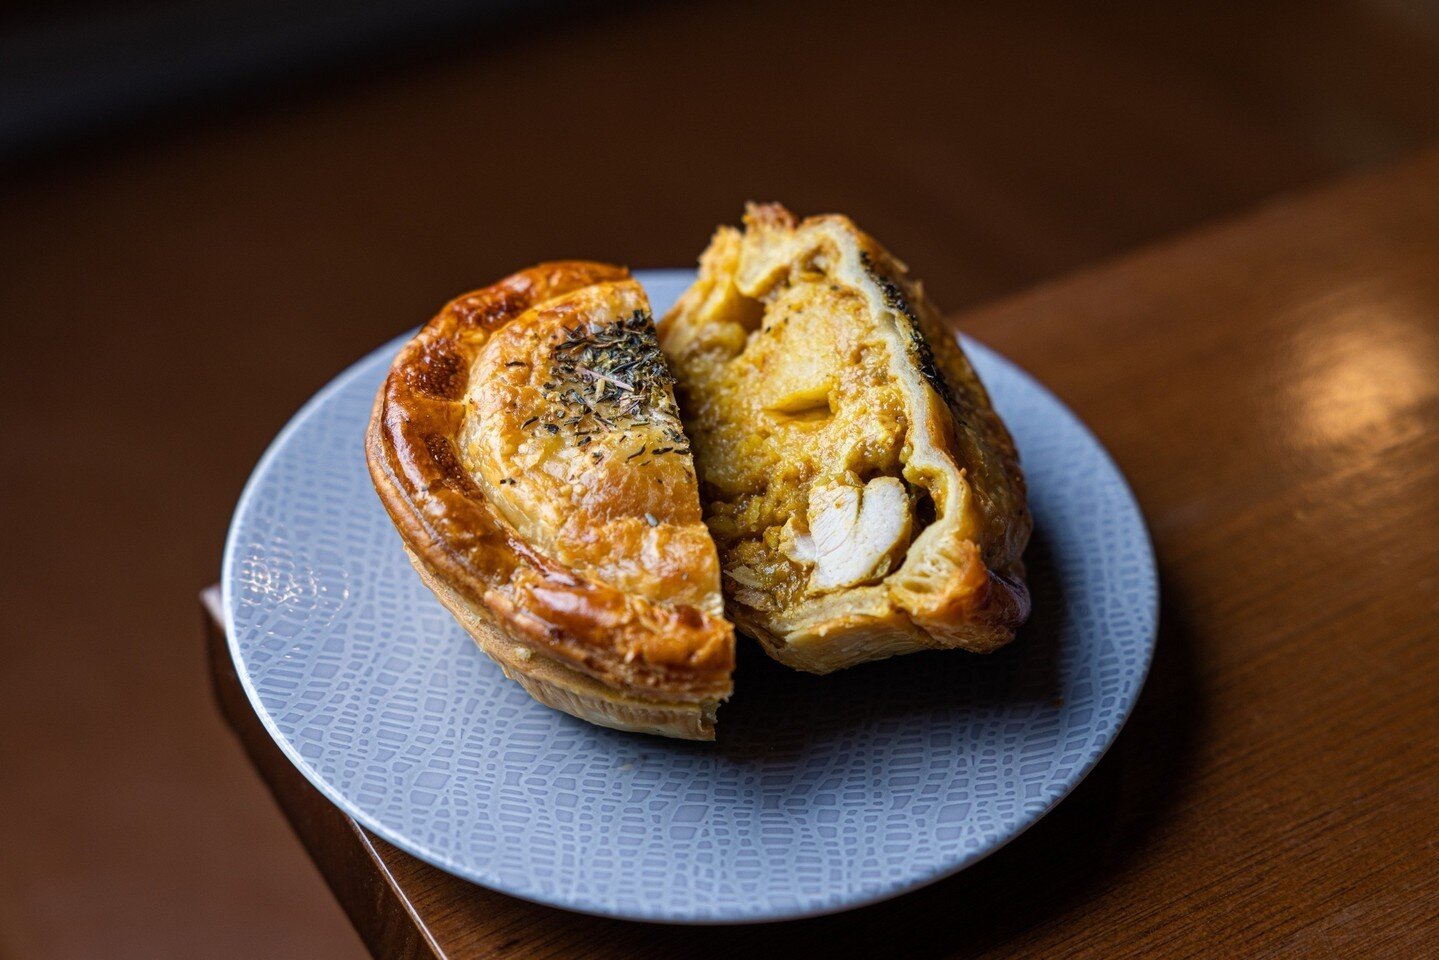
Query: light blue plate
x=822 y=794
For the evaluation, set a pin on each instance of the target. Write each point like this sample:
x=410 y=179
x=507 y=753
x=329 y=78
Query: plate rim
x=438 y=859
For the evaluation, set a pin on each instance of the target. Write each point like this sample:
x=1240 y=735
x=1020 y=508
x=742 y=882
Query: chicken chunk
x=855 y=535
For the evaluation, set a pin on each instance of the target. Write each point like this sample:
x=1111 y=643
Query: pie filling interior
x=800 y=435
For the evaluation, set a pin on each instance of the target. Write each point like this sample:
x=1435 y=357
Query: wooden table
x=1271 y=388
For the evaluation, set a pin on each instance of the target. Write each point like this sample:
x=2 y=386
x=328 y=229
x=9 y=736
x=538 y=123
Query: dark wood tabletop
x=1270 y=386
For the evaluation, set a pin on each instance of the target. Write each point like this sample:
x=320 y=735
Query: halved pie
x=528 y=448
x=865 y=497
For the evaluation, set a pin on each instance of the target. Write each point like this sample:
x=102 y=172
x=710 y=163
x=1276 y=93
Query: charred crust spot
x=919 y=348
x=490 y=307
x=447 y=462
x=687 y=616
x=437 y=372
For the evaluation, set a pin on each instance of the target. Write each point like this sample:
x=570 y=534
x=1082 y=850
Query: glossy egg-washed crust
x=630 y=635
x=961 y=583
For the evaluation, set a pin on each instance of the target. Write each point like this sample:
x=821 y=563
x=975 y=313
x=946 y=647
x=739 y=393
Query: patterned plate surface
x=822 y=793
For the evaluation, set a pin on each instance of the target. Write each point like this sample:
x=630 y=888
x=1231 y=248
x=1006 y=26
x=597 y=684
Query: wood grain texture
x=1271 y=388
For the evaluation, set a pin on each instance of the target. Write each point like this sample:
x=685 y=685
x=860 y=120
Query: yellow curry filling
x=799 y=434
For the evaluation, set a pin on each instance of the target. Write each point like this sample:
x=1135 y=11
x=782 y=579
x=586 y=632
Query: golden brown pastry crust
x=897 y=401
x=610 y=612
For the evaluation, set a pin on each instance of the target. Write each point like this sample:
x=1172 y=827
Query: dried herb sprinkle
x=607 y=378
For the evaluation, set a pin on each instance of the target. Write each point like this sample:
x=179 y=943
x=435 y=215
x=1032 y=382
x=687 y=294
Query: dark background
x=208 y=209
